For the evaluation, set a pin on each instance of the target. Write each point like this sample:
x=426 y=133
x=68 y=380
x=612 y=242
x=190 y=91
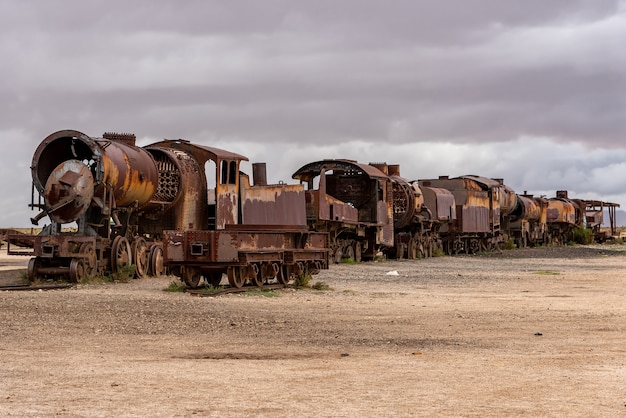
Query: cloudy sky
x=531 y=91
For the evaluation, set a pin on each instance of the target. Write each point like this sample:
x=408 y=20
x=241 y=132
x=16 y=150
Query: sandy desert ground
x=536 y=332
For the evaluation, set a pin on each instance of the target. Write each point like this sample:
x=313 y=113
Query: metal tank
x=100 y=184
x=72 y=171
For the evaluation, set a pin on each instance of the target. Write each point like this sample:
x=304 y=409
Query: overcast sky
x=530 y=91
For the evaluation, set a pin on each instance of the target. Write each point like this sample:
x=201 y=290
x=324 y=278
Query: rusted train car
x=353 y=203
x=483 y=207
x=127 y=202
x=250 y=232
x=563 y=216
x=369 y=209
x=418 y=214
x=529 y=221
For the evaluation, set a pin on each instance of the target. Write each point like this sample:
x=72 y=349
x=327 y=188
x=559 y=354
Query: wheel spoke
x=140 y=255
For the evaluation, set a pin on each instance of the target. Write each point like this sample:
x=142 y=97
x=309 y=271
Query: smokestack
x=259 y=174
x=394 y=170
x=381 y=166
x=126 y=138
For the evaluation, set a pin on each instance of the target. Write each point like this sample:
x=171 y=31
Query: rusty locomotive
x=170 y=204
x=190 y=209
x=369 y=209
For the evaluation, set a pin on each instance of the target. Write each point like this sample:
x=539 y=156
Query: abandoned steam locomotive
x=172 y=203
x=369 y=208
x=190 y=209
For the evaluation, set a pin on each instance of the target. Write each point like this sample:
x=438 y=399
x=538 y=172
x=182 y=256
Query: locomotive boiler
x=529 y=221
x=418 y=213
x=90 y=188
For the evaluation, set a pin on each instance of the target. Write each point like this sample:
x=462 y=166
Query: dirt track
x=538 y=332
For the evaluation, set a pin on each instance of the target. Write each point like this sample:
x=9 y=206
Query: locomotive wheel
x=140 y=255
x=214 y=279
x=270 y=271
x=284 y=275
x=399 y=251
x=411 y=250
x=236 y=276
x=78 y=271
x=156 y=261
x=349 y=253
x=259 y=277
x=120 y=254
x=33 y=266
x=191 y=277
x=357 y=252
x=90 y=259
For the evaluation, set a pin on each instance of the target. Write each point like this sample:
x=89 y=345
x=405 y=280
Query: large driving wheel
x=156 y=261
x=120 y=254
x=140 y=255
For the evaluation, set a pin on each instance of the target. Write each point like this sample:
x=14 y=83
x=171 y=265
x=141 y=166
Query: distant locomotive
x=370 y=209
x=353 y=203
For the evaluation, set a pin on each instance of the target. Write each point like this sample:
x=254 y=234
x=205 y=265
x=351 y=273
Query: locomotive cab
x=351 y=201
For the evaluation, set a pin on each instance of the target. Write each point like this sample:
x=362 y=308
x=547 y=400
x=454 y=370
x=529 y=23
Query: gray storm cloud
x=531 y=91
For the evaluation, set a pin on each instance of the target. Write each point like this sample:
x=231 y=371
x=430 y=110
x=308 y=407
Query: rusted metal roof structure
x=309 y=171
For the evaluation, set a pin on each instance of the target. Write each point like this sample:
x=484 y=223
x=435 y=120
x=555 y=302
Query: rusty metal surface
x=407 y=201
x=68 y=191
x=561 y=210
x=311 y=170
x=279 y=204
x=49 y=246
x=131 y=171
x=59 y=147
x=476 y=210
x=239 y=247
x=200 y=152
x=440 y=202
x=181 y=192
x=226 y=190
x=527 y=208
x=345 y=188
x=321 y=206
x=259 y=174
x=70 y=169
